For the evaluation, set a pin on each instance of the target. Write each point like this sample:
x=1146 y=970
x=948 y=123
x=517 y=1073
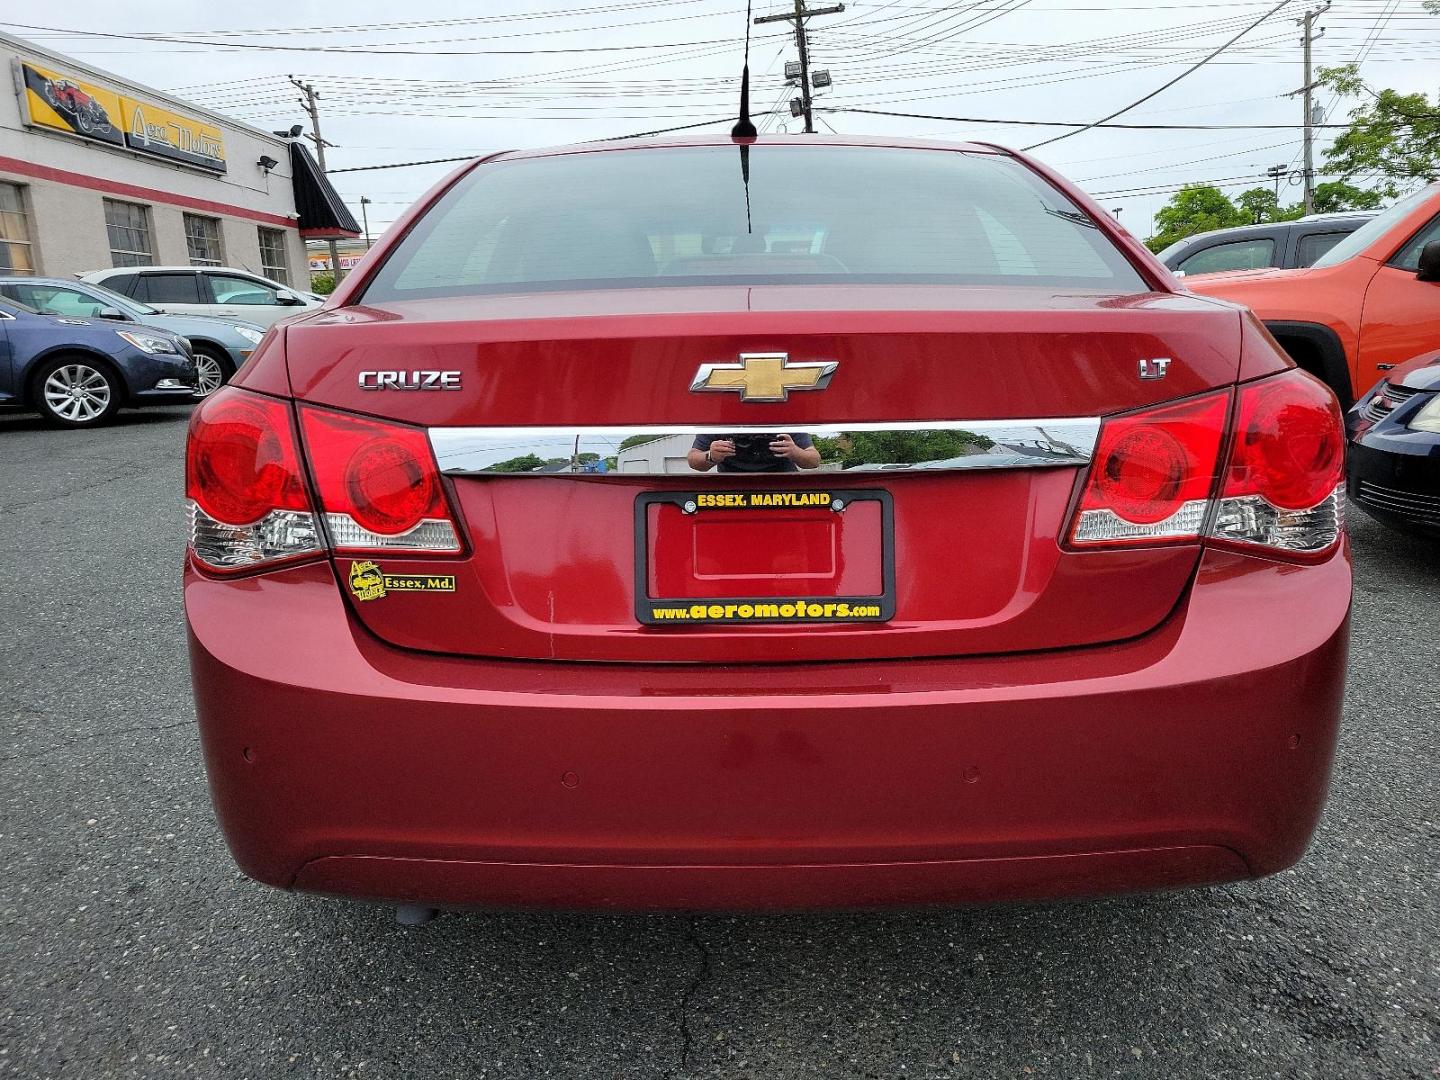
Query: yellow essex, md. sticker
x=369 y=582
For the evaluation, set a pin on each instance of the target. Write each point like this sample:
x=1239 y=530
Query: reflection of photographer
x=784 y=452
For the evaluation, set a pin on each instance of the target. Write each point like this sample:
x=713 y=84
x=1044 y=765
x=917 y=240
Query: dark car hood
x=111 y=324
x=1421 y=373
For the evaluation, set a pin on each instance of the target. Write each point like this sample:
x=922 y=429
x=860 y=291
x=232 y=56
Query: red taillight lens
x=391 y=488
x=246 y=494
x=241 y=461
x=1284 y=484
x=1289 y=442
x=1152 y=474
x=378 y=484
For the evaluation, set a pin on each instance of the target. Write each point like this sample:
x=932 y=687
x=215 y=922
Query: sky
x=427 y=80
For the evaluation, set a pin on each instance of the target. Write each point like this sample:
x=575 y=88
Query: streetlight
x=365 y=218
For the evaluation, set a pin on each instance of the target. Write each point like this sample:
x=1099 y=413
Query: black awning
x=322 y=212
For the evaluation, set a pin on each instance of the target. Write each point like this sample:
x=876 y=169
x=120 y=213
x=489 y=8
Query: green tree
x=1260 y=205
x=869 y=447
x=1392 y=136
x=1335 y=196
x=1195 y=208
x=523 y=463
x=323 y=284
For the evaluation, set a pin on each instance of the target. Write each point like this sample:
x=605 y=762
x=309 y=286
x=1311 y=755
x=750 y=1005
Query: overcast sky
x=401 y=82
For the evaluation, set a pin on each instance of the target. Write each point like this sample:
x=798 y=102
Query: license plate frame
x=766 y=610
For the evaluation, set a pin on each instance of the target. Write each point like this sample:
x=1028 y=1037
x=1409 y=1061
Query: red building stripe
x=114 y=187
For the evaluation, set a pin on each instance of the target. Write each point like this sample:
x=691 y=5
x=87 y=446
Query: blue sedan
x=80 y=372
x=1393 y=467
x=219 y=345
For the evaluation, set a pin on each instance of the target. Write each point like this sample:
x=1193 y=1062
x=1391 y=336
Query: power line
x=1166 y=86
x=364 y=50
x=1070 y=123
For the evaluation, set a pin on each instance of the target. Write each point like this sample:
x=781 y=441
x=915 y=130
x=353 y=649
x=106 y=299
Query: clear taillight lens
x=1152 y=475
x=1284 y=483
x=245 y=493
x=378 y=485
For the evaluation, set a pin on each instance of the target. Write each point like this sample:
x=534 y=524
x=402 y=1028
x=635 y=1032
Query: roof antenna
x=743 y=128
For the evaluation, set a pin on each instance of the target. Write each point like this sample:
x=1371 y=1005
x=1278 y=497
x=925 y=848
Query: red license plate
x=764 y=557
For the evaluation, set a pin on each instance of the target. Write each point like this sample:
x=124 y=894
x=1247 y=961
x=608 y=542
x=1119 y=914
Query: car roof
x=1268 y=228
x=113 y=270
x=1239 y=232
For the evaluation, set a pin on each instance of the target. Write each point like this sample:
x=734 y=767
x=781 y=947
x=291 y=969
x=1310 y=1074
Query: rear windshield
x=771 y=215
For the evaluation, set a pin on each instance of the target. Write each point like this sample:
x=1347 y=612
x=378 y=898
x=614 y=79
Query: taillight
x=244 y=489
x=1152 y=474
x=1284 y=484
x=378 y=484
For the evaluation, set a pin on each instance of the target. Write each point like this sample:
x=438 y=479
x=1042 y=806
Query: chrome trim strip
x=952 y=444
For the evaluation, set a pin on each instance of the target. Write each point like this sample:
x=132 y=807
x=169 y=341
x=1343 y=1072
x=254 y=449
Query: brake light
x=1152 y=474
x=378 y=484
x=1284 y=483
x=245 y=493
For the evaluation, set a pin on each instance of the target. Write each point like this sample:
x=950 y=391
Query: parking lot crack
x=682 y=1010
x=45 y=751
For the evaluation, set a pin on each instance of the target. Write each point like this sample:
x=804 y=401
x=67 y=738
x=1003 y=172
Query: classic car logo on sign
x=764 y=376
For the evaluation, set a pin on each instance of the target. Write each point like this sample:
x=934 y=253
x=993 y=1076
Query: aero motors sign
x=58 y=102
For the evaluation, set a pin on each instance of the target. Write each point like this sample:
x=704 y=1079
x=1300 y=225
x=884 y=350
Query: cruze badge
x=409 y=380
x=1155 y=369
x=764 y=376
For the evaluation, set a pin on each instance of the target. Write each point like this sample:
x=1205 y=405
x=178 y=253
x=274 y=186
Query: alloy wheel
x=209 y=376
x=77 y=393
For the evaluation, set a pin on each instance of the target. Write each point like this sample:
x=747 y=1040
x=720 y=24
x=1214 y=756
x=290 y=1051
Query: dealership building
x=98 y=171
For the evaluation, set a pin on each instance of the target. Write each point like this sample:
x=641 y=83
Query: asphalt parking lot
x=132 y=946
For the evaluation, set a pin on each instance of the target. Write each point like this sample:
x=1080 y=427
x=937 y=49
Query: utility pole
x=311 y=103
x=1307 y=92
x=1277 y=173
x=365 y=218
x=798 y=19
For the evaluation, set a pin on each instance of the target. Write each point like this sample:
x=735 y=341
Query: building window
x=202 y=240
x=15 y=254
x=128 y=225
x=273 y=263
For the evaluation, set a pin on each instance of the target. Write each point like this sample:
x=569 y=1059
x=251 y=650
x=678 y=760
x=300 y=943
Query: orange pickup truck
x=1369 y=303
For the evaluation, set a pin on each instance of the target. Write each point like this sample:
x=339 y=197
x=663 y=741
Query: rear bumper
x=1197 y=753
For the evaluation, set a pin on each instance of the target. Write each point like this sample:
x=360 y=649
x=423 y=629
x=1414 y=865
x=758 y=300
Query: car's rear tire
x=212 y=371
x=77 y=392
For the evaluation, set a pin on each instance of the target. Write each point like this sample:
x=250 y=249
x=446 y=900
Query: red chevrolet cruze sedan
x=765 y=524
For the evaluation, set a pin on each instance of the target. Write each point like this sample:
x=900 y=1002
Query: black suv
x=1284 y=244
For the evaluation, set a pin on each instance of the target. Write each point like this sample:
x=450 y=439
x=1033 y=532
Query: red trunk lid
x=551 y=566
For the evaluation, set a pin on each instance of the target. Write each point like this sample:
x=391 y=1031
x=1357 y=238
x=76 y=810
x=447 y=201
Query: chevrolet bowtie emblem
x=764 y=376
